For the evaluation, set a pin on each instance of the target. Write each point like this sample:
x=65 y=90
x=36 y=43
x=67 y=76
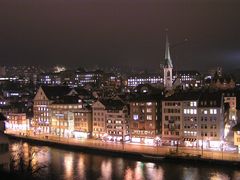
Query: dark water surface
x=52 y=163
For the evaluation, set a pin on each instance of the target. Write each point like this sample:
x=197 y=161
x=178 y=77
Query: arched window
x=168 y=73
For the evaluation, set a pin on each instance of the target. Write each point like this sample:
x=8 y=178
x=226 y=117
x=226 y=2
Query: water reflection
x=220 y=176
x=190 y=173
x=154 y=172
x=54 y=163
x=68 y=165
x=81 y=167
x=106 y=170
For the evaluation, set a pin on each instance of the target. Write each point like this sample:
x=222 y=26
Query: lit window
x=149 y=117
x=194 y=111
x=149 y=110
x=135 y=117
x=185 y=111
x=214 y=111
x=191 y=111
x=149 y=103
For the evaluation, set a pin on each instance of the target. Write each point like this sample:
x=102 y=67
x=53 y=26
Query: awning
x=190 y=139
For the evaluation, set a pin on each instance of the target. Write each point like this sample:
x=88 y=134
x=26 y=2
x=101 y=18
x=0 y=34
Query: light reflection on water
x=61 y=164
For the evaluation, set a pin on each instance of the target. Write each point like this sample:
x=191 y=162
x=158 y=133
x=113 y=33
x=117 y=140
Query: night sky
x=125 y=33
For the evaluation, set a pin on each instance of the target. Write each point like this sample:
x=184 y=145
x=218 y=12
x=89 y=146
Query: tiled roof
x=183 y=96
x=112 y=104
x=56 y=92
x=67 y=100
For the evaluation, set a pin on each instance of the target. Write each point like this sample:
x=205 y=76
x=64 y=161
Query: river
x=52 y=163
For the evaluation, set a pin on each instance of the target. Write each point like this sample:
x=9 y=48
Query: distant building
x=137 y=79
x=50 y=79
x=168 y=67
x=83 y=77
x=189 y=79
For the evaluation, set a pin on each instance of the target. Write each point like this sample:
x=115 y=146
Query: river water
x=53 y=163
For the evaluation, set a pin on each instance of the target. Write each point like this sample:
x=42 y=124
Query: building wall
x=190 y=123
x=172 y=121
x=99 y=119
x=41 y=112
x=237 y=138
x=211 y=125
x=144 y=121
x=117 y=126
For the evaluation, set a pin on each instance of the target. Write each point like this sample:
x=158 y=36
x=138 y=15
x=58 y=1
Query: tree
x=24 y=160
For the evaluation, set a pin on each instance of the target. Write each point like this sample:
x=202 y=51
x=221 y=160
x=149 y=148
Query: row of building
x=195 y=118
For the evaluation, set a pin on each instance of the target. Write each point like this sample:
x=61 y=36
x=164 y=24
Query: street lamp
x=222 y=143
x=202 y=145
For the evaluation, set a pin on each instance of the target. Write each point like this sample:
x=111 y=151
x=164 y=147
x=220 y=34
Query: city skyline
x=127 y=33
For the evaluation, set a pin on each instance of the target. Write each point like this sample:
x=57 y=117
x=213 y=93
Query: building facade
x=145 y=119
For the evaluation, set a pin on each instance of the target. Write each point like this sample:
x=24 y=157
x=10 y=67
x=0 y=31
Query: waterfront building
x=44 y=97
x=145 y=118
x=211 y=120
x=17 y=122
x=110 y=120
x=236 y=130
x=69 y=118
x=193 y=119
x=172 y=120
x=99 y=119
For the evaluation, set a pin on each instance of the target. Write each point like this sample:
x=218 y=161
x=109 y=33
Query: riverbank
x=122 y=150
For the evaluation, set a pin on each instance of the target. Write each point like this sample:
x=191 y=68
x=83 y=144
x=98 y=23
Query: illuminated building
x=83 y=77
x=211 y=120
x=193 y=118
x=17 y=122
x=145 y=118
x=110 y=120
x=71 y=118
x=236 y=130
x=172 y=120
x=153 y=79
x=45 y=96
x=50 y=79
x=189 y=79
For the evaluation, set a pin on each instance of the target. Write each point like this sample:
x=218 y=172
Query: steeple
x=168 y=67
x=168 y=61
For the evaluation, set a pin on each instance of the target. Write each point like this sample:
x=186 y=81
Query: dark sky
x=127 y=33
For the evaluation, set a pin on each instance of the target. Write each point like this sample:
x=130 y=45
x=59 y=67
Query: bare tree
x=24 y=160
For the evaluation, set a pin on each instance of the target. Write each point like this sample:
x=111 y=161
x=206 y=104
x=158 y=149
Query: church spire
x=168 y=61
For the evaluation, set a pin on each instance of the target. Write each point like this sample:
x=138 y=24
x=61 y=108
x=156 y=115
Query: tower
x=168 y=67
